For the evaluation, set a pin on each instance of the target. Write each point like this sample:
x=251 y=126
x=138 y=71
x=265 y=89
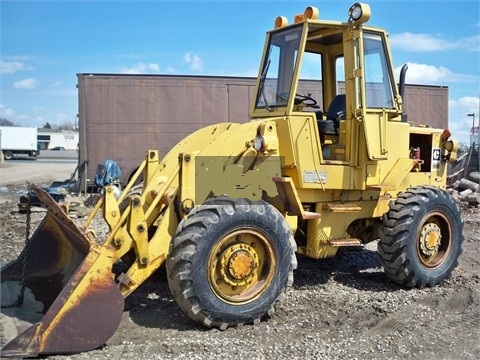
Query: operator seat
x=336 y=112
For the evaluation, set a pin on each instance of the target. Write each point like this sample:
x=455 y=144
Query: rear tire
x=134 y=191
x=8 y=155
x=230 y=262
x=421 y=237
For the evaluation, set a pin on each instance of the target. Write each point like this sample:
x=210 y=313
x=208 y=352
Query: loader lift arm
x=86 y=294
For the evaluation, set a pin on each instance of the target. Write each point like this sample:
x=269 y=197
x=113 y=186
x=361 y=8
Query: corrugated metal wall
x=427 y=105
x=121 y=116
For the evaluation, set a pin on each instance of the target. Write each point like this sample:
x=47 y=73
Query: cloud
x=195 y=62
x=11 y=67
x=22 y=117
x=141 y=68
x=27 y=84
x=467 y=102
x=63 y=92
x=6 y=112
x=172 y=70
x=460 y=123
x=430 y=74
x=428 y=43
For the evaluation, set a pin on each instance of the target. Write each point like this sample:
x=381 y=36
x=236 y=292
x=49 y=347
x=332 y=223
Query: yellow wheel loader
x=228 y=208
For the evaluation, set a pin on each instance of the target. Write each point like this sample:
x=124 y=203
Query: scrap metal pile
x=464 y=177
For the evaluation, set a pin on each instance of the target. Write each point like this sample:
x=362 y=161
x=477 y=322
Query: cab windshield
x=278 y=68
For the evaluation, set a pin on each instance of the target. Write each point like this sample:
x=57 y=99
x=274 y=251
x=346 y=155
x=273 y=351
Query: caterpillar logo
x=436 y=157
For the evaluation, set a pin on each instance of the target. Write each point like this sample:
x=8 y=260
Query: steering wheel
x=306 y=100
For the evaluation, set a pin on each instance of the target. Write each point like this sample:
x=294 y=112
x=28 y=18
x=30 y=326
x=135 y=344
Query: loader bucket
x=71 y=300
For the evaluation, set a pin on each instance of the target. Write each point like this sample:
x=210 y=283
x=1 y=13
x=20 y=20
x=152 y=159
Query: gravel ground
x=340 y=308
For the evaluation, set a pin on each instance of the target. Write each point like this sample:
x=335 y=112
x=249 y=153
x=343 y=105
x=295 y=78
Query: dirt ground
x=340 y=308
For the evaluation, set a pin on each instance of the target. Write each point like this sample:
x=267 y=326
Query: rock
x=467 y=184
x=455 y=185
x=473 y=200
x=475 y=177
x=464 y=194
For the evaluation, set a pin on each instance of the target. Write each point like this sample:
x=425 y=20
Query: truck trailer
x=18 y=140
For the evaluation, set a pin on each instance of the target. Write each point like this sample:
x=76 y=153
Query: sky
x=44 y=44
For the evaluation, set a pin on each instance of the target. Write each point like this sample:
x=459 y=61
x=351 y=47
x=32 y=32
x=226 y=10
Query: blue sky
x=44 y=44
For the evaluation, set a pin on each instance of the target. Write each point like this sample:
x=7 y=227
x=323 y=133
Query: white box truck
x=18 y=140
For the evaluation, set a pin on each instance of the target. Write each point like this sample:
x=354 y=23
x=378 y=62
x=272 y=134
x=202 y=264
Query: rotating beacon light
x=281 y=21
x=311 y=13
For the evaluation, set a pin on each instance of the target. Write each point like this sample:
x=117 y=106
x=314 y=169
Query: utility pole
x=472 y=139
x=1 y=152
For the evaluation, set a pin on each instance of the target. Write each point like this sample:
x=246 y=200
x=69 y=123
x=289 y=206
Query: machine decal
x=315 y=177
x=436 y=157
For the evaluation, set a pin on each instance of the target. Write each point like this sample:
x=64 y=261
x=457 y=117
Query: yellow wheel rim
x=434 y=240
x=241 y=266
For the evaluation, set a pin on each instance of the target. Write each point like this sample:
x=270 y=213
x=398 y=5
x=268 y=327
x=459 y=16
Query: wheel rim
x=241 y=266
x=434 y=240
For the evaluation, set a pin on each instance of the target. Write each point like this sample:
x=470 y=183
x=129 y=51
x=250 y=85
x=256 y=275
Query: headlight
x=359 y=13
x=259 y=143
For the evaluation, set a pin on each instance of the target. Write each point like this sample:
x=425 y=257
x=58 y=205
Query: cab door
x=379 y=94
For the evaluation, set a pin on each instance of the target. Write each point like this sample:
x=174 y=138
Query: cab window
x=378 y=84
x=278 y=68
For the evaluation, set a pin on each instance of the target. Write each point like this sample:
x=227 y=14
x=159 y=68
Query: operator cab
x=305 y=68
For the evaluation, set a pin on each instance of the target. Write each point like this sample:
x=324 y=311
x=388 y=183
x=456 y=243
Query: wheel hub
x=430 y=239
x=238 y=264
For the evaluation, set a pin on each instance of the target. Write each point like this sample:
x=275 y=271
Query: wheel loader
x=229 y=207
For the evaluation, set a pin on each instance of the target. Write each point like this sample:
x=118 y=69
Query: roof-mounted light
x=311 y=13
x=299 y=18
x=359 y=13
x=446 y=134
x=280 y=21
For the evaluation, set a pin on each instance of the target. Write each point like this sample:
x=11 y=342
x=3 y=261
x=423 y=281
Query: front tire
x=421 y=237
x=230 y=261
